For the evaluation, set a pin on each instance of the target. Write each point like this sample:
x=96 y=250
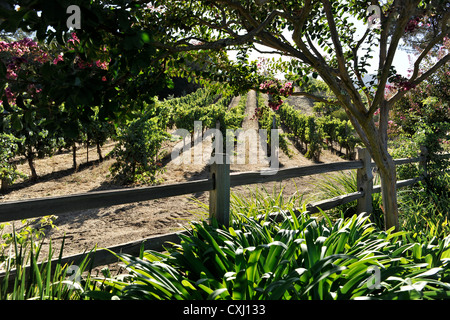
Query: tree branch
x=345 y=77
x=385 y=64
x=335 y=38
x=269 y=52
x=423 y=77
x=221 y=43
x=355 y=65
x=425 y=52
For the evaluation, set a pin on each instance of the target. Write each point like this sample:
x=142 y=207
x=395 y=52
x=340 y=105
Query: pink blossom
x=9 y=94
x=11 y=75
x=57 y=59
x=102 y=65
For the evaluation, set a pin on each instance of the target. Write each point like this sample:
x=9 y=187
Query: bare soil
x=106 y=227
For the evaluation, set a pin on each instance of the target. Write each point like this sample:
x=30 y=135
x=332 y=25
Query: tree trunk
x=387 y=171
x=99 y=151
x=74 y=156
x=4 y=186
x=389 y=196
x=31 y=165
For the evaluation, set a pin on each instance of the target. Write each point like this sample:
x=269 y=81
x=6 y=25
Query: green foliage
x=423 y=114
x=425 y=209
x=430 y=136
x=259 y=203
x=32 y=136
x=311 y=132
x=266 y=121
x=138 y=151
x=314 y=139
x=235 y=116
x=27 y=276
x=406 y=146
x=341 y=183
x=8 y=150
x=208 y=105
x=30 y=232
x=300 y=258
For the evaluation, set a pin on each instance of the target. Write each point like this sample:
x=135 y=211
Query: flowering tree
x=20 y=61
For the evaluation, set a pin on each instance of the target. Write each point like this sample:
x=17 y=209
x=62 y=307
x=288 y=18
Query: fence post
x=364 y=182
x=219 y=197
x=423 y=161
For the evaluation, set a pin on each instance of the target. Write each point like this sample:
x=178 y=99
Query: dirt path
x=119 y=224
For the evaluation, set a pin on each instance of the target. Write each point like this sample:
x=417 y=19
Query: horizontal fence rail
x=243 y=178
x=32 y=208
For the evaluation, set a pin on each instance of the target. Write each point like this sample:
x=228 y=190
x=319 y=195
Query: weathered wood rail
x=218 y=185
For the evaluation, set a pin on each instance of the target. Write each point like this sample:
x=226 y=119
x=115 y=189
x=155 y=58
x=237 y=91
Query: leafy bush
x=31 y=231
x=138 y=151
x=403 y=147
x=8 y=150
x=301 y=257
x=311 y=132
x=313 y=139
x=266 y=118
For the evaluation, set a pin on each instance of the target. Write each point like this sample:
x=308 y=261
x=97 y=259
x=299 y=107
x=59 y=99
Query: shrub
x=8 y=150
x=138 y=152
x=266 y=118
x=299 y=258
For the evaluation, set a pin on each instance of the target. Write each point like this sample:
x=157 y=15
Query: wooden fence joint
x=219 y=197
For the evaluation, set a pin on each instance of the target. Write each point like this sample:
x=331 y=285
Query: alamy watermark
x=241 y=147
x=374 y=20
x=74 y=20
x=374 y=281
x=73 y=274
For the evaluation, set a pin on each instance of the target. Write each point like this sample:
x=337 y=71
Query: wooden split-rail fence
x=218 y=185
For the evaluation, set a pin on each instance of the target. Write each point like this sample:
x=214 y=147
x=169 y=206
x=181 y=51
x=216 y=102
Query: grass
x=344 y=182
x=425 y=209
x=25 y=277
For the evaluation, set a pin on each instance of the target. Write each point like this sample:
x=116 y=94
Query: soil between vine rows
x=111 y=226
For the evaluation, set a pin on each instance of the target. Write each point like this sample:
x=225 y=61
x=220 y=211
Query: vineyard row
x=314 y=133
